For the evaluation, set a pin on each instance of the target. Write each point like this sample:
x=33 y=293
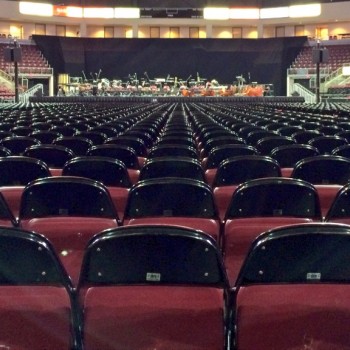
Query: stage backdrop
x=257 y=60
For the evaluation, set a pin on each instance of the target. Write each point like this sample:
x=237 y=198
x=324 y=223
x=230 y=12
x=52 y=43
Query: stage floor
x=167 y=99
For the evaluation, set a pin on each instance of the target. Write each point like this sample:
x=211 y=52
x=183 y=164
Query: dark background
x=258 y=60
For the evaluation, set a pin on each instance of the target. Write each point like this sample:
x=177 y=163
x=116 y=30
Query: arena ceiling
x=180 y=3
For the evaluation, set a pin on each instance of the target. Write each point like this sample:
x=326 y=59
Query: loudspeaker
x=13 y=54
x=320 y=55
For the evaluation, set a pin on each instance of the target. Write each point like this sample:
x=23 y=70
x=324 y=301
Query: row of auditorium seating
x=59 y=206
x=165 y=287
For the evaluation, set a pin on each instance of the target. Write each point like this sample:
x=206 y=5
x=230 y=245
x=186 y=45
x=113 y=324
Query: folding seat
x=111 y=172
x=107 y=130
x=18 y=144
x=146 y=137
x=175 y=201
x=288 y=155
x=78 y=144
x=4 y=152
x=182 y=167
x=220 y=153
x=343 y=151
x=153 y=287
x=65 y=130
x=37 y=306
x=220 y=141
x=45 y=136
x=55 y=156
x=172 y=150
x=133 y=142
x=339 y=211
x=260 y=205
x=330 y=130
x=326 y=144
x=40 y=126
x=121 y=152
x=22 y=130
x=97 y=137
x=292 y=291
x=267 y=144
x=15 y=173
x=180 y=140
x=289 y=130
x=4 y=134
x=256 y=135
x=68 y=211
x=327 y=173
x=305 y=136
x=236 y=170
x=244 y=131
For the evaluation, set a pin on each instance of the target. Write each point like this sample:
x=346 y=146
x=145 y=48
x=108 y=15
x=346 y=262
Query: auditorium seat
x=68 y=211
x=292 y=291
x=339 y=210
x=260 y=205
x=304 y=136
x=45 y=136
x=121 y=152
x=134 y=142
x=327 y=173
x=176 y=201
x=15 y=173
x=288 y=155
x=97 y=137
x=182 y=167
x=267 y=144
x=343 y=151
x=18 y=144
x=78 y=144
x=172 y=150
x=37 y=307
x=55 y=156
x=153 y=287
x=230 y=139
x=220 y=153
x=236 y=170
x=326 y=144
x=111 y=172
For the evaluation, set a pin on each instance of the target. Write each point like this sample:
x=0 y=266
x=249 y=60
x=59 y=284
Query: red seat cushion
x=291 y=317
x=153 y=317
x=36 y=317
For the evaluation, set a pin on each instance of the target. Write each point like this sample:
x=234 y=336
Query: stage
x=166 y=99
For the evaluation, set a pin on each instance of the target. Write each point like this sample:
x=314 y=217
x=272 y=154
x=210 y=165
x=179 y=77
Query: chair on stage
x=153 y=287
x=291 y=292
